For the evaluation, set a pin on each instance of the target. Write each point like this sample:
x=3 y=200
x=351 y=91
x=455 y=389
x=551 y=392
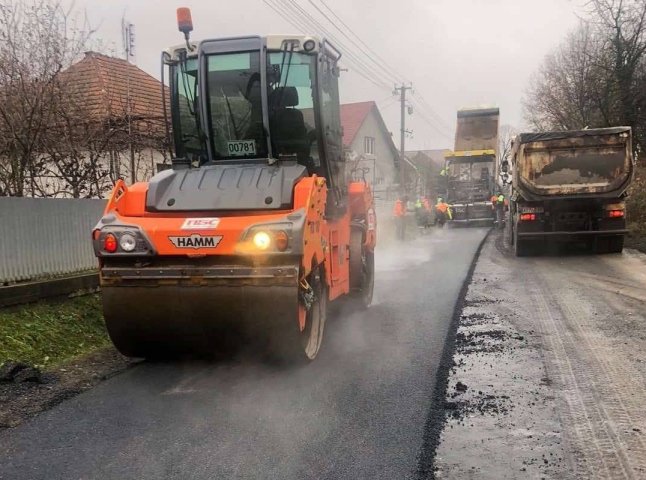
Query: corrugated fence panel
x=41 y=237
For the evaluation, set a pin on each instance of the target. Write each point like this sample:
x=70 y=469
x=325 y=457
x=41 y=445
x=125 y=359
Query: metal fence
x=43 y=237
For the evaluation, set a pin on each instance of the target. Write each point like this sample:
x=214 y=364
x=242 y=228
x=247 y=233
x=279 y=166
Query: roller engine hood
x=225 y=187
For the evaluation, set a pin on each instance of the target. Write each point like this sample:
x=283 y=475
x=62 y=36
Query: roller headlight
x=128 y=242
x=262 y=240
x=309 y=45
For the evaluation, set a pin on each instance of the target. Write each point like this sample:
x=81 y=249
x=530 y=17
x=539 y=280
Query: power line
x=430 y=110
x=292 y=19
x=431 y=123
x=308 y=23
x=393 y=77
x=356 y=59
x=433 y=126
x=367 y=63
x=388 y=102
x=435 y=121
x=376 y=55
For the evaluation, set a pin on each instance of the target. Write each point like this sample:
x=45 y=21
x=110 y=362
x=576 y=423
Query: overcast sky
x=457 y=53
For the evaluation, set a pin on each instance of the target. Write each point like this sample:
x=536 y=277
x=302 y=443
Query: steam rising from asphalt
x=357 y=411
x=285 y=411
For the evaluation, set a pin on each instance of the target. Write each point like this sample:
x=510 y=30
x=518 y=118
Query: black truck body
x=570 y=186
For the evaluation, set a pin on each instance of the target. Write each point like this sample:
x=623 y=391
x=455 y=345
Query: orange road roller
x=257 y=227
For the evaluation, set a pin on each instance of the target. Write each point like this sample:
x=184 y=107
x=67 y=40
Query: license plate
x=241 y=147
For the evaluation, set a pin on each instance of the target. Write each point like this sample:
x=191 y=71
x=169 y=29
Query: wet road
x=358 y=411
x=553 y=351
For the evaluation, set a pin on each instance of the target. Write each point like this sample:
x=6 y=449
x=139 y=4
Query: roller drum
x=152 y=319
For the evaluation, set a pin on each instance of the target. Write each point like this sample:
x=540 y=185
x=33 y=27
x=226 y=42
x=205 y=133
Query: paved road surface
x=554 y=356
x=357 y=412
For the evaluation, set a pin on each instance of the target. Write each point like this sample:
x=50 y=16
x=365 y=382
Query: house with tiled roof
x=111 y=124
x=370 y=150
x=129 y=100
x=114 y=88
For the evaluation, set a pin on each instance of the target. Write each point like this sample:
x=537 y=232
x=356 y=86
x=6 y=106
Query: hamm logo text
x=196 y=241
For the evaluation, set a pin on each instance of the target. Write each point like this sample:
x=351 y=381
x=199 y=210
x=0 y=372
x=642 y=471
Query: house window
x=369 y=145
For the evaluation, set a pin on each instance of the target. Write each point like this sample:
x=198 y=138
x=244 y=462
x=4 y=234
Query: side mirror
x=504 y=166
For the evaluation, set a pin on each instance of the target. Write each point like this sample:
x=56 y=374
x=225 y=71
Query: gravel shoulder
x=549 y=369
x=21 y=401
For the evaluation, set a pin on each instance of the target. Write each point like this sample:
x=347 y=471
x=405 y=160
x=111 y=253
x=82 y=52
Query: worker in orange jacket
x=442 y=212
x=399 y=212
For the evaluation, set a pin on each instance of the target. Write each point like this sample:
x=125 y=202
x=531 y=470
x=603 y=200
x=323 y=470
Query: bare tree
x=572 y=89
x=597 y=77
x=506 y=134
x=37 y=41
x=75 y=147
x=623 y=25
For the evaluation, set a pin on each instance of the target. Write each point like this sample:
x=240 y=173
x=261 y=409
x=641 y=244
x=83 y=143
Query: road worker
x=498 y=203
x=399 y=212
x=422 y=213
x=442 y=212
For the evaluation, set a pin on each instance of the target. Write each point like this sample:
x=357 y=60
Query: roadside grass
x=636 y=209
x=50 y=332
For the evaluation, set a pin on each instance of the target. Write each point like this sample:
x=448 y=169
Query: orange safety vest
x=398 y=209
x=427 y=204
x=442 y=207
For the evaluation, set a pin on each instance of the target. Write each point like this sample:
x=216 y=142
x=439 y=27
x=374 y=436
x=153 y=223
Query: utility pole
x=128 y=31
x=402 y=150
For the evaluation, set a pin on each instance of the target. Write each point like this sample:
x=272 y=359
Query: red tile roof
x=352 y=117
x=104 y=82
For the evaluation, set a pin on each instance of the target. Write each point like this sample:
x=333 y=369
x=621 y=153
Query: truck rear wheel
x=610 y=244
x=523 y=248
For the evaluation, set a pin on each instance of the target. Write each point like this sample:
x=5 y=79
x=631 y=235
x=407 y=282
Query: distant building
x=129 y=100
x=424 y=178
x=370 y=150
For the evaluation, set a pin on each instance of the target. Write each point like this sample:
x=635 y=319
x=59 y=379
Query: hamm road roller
x=256 y=228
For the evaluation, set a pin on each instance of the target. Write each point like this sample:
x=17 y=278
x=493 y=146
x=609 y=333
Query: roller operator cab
x=256 y=227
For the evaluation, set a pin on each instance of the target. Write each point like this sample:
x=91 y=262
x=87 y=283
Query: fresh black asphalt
x=360 y=410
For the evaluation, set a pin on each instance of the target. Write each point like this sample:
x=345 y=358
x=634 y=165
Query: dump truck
x=570 y=186
x=256 y=228
x=471 y=169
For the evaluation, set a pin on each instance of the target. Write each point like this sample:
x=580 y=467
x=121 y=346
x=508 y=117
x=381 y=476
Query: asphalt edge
x=436 y=417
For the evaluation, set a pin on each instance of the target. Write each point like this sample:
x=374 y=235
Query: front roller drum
x=165 y=321
x=157 y=322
